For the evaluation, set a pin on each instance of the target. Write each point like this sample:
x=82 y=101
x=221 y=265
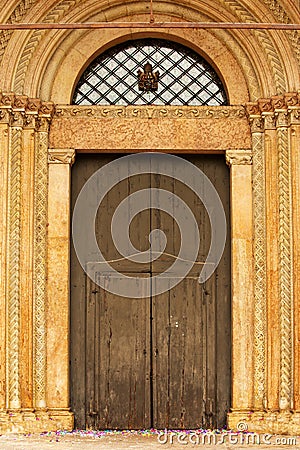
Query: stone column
x=242 y=276
x=294 y=117
x=272 y=256
x=4 y=147
x=40 y=254
x=26 y=349
x=58 y=332
x=259 y=249
x=13 y=255
x=285 y=254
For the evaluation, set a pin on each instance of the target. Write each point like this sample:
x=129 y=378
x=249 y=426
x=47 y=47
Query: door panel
x=118 y=363
x=178 y=365
x=151 y=362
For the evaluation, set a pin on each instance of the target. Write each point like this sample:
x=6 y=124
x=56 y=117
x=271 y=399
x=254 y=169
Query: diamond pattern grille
x=185 y=78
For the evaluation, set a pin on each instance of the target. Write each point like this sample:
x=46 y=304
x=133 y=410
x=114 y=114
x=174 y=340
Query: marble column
x=60 y=161
x=241 y=279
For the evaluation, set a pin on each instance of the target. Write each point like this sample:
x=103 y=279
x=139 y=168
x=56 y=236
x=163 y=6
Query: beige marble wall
x=185 y=129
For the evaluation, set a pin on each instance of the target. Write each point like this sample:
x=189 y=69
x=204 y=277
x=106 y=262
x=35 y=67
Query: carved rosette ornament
x=278 y=113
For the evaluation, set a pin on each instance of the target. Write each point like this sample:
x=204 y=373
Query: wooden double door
x=158 y=361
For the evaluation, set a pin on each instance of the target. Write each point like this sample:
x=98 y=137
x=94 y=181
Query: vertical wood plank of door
x=178 y=363
x=118 y=359
x=218 y=305
x=179 y=375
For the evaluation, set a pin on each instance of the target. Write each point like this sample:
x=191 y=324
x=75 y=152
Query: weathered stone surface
x=165 y=129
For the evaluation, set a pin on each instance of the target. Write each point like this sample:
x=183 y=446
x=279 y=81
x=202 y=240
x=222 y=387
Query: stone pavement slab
x=89 y=440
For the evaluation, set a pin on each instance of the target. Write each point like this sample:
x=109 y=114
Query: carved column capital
x=238 y=157
x=294 y=116
x=61 y=156
x=269 y=120
x=4 y=115
x=282 y=118
x=257 y=124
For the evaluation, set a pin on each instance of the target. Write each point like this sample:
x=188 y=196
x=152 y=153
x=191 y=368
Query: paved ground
x=133 y=441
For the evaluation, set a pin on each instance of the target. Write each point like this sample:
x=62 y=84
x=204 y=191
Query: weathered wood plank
x=118 y=347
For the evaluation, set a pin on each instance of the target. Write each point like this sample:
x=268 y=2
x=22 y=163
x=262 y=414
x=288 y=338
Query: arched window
x=176 y=75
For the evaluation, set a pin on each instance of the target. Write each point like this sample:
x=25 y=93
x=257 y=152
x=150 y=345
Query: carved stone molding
x=260 y=271
x=285 y=271
x=266 y=422
x=238 y=157
x=40 y=267
x=282 y=106
x=277 y=113
x=36 y=422
x=19 y=112
x=25 y=112
x=151 y=112
x=13 y=259
x=61 y=156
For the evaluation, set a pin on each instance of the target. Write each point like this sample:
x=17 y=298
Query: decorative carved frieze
x=185 y=112
x=265 y=105
x=289 y=101
x=61 y=156
x=22 y=111
x=40 y=266
x=260 y=271
x=238 y=157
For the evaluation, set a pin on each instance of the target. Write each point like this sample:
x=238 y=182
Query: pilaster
x=240 y=163
x=294 y=138
x=275 y=143
x=24 y=130
x=60 y=161
x=4 y=145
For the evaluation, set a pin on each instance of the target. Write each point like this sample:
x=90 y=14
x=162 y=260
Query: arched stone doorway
x=261 y=147
x=164 y=360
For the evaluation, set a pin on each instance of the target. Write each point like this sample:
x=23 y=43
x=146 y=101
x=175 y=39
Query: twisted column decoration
x=262 y=115
x=15 y=109
x=14 y=213
x=285 y=256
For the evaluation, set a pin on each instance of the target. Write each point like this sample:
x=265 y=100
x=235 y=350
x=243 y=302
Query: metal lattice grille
x=185 y=78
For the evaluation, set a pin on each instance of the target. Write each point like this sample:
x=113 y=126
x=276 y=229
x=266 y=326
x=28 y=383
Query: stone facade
x=258 y=134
